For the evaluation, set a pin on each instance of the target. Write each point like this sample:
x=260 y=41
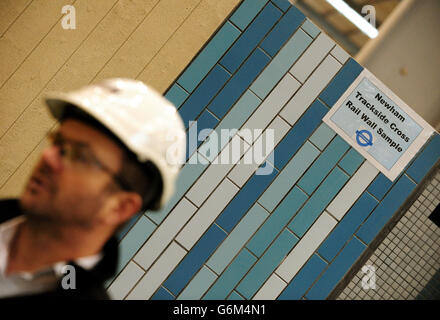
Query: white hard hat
x=147 y=123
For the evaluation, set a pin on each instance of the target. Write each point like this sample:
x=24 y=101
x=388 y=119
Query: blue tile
x=231 y=276
x=347 y=226
x=426 y=159
x=239 y=83
x=386 y=209
x=249 y=39
x=304 y=279
x=267 y=264
x=334 y=273
x=194 y=260
x=206 y=122
x=296 y=137
x=245 y=198
x=209 y=56
x=198 y=100
x=283 y=30
x=341 y=82
x=318 y=202
x=351 y=161
x=282 y=4
x=247 y=12
x=380 y=186
x=322 y=166
x=276 y=221
x=176 y=95
x=162 y=294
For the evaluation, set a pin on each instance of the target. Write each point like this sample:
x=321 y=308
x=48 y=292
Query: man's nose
x=52 y=157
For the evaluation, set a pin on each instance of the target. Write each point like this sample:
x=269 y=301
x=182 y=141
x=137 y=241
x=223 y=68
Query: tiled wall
x=229 y=233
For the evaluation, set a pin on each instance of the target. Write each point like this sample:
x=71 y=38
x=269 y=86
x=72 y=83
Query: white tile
x=352 y=190
x=259 y=152
x=207 y=213
x=312 y=57
x=310 y=90
x=158 y=273
x=165 y=233
x=269 y=108
x=125 y=281
x=306 y=247
x=218 y=169
x=271 y=289
x=340 y=54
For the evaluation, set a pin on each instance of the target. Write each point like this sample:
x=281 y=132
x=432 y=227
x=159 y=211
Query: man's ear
x=125 y=206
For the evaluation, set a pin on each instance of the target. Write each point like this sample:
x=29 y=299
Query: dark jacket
x=89 y=283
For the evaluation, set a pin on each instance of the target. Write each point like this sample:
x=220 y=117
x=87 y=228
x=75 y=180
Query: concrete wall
x=151 y=40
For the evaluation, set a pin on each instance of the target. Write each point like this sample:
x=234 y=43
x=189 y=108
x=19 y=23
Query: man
x=117 y=151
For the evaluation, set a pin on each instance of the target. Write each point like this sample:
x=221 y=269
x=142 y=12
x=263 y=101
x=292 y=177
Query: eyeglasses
x=79 y=155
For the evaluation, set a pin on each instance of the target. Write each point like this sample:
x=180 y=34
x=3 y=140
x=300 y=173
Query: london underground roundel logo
x=364 y=138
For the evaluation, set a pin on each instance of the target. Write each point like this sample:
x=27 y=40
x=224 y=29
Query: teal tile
x=189 y=173
x=267 y=264
x=277 y=221
x=208 y=57
x=198 y=285
x=311 y=28
x=289 y=176
x=351 y=161
x=247 y=12
x=176 y=95
x=235 y=296
x=281 y=63
x=318 y=202
x=322 y=136
x=322 y=166
x=133 y=240
x=237 y=238
x=231 y=276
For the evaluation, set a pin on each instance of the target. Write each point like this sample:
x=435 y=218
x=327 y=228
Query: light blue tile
x=289 y=176
x=198 y=285
x=318 y=202
x=386 y=209
x=322 y=136
x=304 y=279
x=208 y=57
x=311 y=28
x=249 y=39
x=322 y=166
x=176 y=95
x=231 y=276
x=334 y=273
x=267 y=264
x=134 y=239
x=351 y=161
x=277 y=221
x=237 y=238
x=281 y=63
x=247 y=12
x=189 y=173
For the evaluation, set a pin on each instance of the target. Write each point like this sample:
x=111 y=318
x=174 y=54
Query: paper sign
x=378 y=124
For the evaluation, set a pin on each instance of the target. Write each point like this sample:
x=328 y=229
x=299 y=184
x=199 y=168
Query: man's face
x=73 y=192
